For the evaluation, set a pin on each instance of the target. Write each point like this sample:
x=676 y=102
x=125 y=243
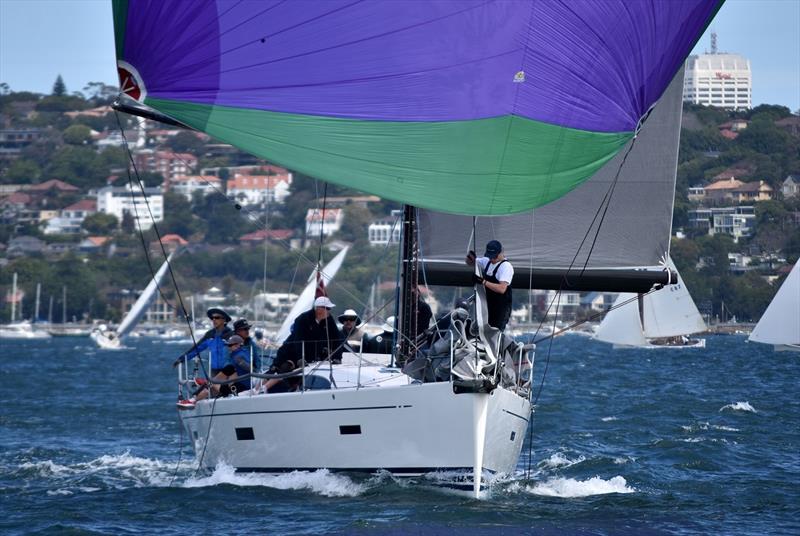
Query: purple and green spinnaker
x=471 y=107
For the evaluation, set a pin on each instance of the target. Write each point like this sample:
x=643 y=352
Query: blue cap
x=493 y=249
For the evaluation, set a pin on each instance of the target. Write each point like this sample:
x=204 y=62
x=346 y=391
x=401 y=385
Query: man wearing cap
x=497 y=276
x=213 y=340
x=314 y=336
x=351 y=330
x=249 y=346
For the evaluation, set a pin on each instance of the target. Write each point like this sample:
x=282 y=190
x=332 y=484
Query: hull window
x=245 y=434
x=350 y=429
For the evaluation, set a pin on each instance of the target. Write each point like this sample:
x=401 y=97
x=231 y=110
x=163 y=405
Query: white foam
x=322 y=481
x=607 y=419
x=725 y=428
x=739 y=406
x=117 y=470
x=570 y=488
x=559 y=460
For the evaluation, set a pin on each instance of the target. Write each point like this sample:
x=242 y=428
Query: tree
x=100 y=93
x=59 y=88
x=186 y=142
x=22 y=171
x=128 y=224
x=100 y=223
x=77 y=135
x=151 y=179
x=178 y=217
x=356 y=220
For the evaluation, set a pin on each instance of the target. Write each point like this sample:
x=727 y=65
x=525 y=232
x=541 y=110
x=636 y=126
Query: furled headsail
x=475 y=107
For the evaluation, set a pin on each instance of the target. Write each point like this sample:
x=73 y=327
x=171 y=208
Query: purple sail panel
x=595 y=66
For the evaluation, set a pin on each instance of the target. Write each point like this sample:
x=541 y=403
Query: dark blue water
x=626 y=442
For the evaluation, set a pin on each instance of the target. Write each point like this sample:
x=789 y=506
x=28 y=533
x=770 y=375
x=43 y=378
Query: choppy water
x=626 y=442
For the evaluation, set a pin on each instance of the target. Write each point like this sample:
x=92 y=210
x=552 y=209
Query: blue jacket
x=242 y=354
x=214 y=341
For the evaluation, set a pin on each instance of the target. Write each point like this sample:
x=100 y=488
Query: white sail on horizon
x=669 y=312
x=780 y=323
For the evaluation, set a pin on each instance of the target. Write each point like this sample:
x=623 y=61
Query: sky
x=40 y=39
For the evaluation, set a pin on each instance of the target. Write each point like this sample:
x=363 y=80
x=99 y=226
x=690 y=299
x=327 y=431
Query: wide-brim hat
x=349 y=314
x=324 y=301
x=242 y=323
x=388 y=326
x=217 y=311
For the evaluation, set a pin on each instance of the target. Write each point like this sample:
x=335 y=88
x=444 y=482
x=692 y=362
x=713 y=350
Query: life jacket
x=499 y=305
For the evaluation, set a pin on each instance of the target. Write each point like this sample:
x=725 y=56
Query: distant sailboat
x=22 y=329
x=112 y=340
x=780 y=323
x=662 y=319
x=306 y=299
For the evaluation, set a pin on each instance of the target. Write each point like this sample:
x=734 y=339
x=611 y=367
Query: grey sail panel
x=636 y=228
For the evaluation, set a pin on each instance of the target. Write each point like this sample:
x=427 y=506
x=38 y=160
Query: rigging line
x=608 y=204
x=180 y=455
x=158 y=234
x=139 y=222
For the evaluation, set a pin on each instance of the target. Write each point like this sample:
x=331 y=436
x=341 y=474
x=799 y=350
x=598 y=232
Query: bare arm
x=499 y=288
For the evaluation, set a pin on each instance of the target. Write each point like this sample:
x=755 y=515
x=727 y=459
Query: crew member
x=497 y=276
x=315 y=336
x=242 y=328
x=213 y=340
x=351 y=327
x=382 y=342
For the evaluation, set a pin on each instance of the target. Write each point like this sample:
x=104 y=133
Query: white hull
x=407 y=429
x=106 y=341
x=693 y=343
x=22 y=330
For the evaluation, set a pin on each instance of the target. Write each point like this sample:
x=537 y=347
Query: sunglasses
x=217 y=317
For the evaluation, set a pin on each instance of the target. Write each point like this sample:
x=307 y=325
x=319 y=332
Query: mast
x=50 y=311
x=13 y=297
x=409 y=278
x=38 y=296
x=64 y=304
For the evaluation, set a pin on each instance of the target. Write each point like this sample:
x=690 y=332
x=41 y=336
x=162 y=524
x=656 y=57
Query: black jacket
x=319 y=339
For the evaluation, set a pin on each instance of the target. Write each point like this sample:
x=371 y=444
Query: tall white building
x=118 y=201
x=720 y=80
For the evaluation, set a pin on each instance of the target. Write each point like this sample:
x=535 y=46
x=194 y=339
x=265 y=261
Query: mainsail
x=497 y=107
x=635 y=230
x=780 y=324
x=144 y=301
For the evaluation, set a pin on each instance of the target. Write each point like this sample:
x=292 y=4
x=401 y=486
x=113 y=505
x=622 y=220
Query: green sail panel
x=499 y=165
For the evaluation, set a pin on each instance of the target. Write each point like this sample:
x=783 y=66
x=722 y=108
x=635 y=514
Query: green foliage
x=224 y=224
x=100 y=224
x=22 y=171
x=178 y=217
x=764 y=137
x=84 y=167
x=59 y=88
x=355 y=223
x=128 y=224
x=186 y=142
x=77 y=135
x=55 y=103
x=100 y=93
x=151 y=179
x=769 y=112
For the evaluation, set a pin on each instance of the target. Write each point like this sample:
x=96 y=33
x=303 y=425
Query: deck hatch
x=245 y=434
x=350 y=429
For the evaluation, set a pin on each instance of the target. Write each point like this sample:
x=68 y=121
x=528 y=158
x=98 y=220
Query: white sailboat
x=306 y=298
x=552 y=137
x=780 y=323
x=112 y=340
x=662 y=319
x=22 y=329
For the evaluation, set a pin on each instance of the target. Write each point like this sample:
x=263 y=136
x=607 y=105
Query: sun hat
x=388 y=326
x=242 y=323
x=324 y=301
x=217 y=311
x=349 y=314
